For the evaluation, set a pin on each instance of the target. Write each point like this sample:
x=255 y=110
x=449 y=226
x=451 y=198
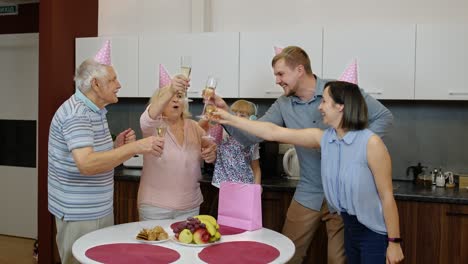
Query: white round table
x=126 y=233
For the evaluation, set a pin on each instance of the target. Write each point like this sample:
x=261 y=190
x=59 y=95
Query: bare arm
x=309 y=137
x=380 y=164
x=90 y=162
x=160 y=99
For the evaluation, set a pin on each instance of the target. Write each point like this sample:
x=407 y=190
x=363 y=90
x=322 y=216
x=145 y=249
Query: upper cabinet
x=257 y=51
x=124 y=56
x=385 y=56
x=441 y=62
x=400 y=62
x=215 y=54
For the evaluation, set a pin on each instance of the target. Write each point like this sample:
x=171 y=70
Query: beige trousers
x=69 y=231
x=301 y=225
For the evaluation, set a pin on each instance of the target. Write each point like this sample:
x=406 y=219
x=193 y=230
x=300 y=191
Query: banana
x=210 y=227
x=208 y=218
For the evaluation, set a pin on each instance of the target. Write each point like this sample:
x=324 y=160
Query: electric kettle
x=291 y=164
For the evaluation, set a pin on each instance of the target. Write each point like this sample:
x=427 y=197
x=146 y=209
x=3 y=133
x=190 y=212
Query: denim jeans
x=363 y=245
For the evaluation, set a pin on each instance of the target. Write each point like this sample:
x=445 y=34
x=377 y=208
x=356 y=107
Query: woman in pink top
x=169 y=185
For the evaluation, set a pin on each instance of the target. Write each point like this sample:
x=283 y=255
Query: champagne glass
x=161 y=127
x=186 y=69
x=207 y=94
x=210 y=87
x=208 y=110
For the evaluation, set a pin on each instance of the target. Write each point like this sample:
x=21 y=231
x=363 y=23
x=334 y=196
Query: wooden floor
x=16 y=250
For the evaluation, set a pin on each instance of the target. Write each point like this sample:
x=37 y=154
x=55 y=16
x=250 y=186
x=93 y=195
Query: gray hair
x=87 y=71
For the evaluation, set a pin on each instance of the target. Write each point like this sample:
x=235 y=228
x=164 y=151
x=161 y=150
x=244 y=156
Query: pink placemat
x=224 y=230
x=132 y=253
x=239 y=252
x=228 y=230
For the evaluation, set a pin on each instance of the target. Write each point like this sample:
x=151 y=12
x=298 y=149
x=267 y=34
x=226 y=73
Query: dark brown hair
x=293 y=56
x=355 y=107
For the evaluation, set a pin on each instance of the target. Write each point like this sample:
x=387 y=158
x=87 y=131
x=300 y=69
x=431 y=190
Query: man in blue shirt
x=298 y=108
x=82 y=157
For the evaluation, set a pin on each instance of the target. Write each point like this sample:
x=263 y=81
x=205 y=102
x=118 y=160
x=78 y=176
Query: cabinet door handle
x=458 y=93
x=193 y=92
x=377 y=93
x=273 y=92
x=456 y=214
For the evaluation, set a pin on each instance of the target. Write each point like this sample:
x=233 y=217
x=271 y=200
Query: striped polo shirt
x=78 y=123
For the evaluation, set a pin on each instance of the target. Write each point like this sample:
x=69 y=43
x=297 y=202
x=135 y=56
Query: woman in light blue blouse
x=356 y=171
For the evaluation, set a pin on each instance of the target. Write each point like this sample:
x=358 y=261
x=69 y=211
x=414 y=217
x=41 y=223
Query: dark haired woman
x=356 y=171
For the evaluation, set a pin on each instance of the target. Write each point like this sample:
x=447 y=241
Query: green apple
x=185 y=236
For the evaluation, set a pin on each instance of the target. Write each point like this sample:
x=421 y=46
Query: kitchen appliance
x=415 y=170
x=291 y=164
x=134 y=162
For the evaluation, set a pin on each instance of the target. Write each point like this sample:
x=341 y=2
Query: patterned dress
x=233 y=162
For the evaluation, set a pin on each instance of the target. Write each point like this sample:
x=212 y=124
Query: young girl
x=235 y=162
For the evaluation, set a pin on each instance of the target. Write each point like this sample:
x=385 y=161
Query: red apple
x=201 y=236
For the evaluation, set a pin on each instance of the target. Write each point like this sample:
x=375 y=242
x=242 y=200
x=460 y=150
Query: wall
x=18 y=101
x=433 y=133
x=149 y=16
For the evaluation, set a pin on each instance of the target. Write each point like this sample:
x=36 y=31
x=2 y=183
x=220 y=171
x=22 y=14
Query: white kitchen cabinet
x=256 y=52
x=124 y=57
x=215 y=54
x=441 y=62
x=385 y=55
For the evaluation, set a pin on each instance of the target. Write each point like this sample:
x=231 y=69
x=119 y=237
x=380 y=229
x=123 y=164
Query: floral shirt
x=233 y=162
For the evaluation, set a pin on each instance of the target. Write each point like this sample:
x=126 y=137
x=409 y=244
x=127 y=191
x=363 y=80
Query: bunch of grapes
x=191 y=224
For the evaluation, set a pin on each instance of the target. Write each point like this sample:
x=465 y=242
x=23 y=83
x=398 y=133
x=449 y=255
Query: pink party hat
x=164 y=78
x=350 y=74
x=104 y=54
x=277 y=50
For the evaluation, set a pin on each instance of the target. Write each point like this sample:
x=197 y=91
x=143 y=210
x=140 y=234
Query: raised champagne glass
x=186 y=69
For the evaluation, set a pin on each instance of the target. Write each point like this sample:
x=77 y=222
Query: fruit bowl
x=200 y=230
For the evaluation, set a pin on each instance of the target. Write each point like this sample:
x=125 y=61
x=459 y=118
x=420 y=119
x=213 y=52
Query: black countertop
x=403 y=190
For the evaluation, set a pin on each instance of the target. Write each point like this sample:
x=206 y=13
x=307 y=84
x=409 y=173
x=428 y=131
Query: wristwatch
x=394 y=239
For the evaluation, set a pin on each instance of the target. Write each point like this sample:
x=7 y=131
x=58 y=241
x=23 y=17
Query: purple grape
x=192 y=230
x=196 y=226
x=202 y=225
x=190 y=219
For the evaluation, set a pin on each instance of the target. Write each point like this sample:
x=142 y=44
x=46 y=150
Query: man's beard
x=289 y=92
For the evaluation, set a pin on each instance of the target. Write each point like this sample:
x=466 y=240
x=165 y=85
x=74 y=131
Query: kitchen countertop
x=403 y=190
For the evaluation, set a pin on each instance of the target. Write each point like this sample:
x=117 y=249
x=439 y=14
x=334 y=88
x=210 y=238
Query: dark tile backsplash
x=434 y=133
x=18 y=143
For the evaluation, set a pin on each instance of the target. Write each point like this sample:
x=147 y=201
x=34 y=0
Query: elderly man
x=82 y=157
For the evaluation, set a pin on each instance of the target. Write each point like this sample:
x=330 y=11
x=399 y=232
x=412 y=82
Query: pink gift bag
x=240 y=205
